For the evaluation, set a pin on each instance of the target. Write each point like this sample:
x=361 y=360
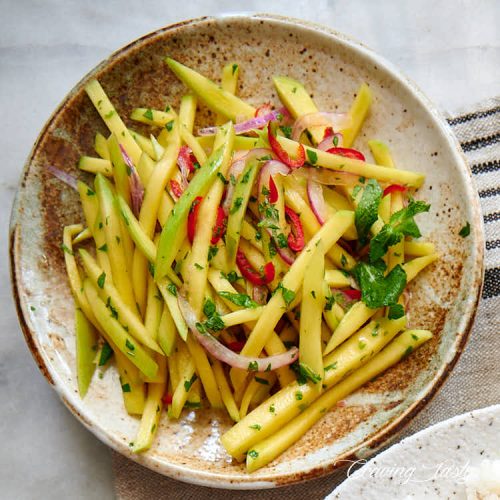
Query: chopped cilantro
x=236 y=205
x=299 y=396
x=90 y=192
x=101 y=280
x=148 y=114
x=288 y=295
x=262 y=381
x=232 y=276
x=396 y=311
x=465 y=231
x=253 y=366
x=234 y=68
x=407 y=352
x=271 y=409
x=103 y=248
x=212 y=252
x=172 y=289
x=257 y=427
x=240 y=299
x=169 y=125
x=253 y=454
x=281 y=240
x=330 y=300
x=198 y=266
x=190 y=382
x=129 y=345
x=222 y=178
x=209 y=308
x=126 y=388
x=106 y=353
x=312 y=157
x=332 y=366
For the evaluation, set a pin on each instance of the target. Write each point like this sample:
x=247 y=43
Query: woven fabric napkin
x=474 y=382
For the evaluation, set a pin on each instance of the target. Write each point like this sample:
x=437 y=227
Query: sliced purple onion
x=335 y=120
x=68 y=179
x=222 y=353
x=271 y=167
x=259 y=294
x=254 y=123
x=286 y=254
x=330 y=142
x=317 y=200
x=135 y=183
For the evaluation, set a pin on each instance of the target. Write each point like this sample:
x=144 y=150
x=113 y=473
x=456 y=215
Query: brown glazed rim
x=383 y=435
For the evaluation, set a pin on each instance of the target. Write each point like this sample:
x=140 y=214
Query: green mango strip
x=86 y=343
x=174 y=231
x=218 y=100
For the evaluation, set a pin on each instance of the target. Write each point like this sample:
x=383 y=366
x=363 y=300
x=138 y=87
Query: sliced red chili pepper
x=347 y=152
x=393 y=188
x=263 y=109
x=220 y=226
x=167 y=399
x=273 y=191
x=352 y=294
x=185 y=157
x=176 y=188
x=193 y=215
x=282 y=155
x=328 y=133
x=296 y=237
x=236 y=346
x=251 y=274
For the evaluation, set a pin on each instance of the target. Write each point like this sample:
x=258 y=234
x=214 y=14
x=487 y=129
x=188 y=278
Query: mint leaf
x=402 y=223
x=240 y=299
x=396 y=311
x=378 y=290
x=367 y=210
x=209 y=308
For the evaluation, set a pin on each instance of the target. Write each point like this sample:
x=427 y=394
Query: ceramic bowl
x=443 y=299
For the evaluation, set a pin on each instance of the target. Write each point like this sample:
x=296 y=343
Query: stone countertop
x=450 y=48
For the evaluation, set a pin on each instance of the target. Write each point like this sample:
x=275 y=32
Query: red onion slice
x=135 y=184
x=286 y=254
x=317 y=200
x=335 y=120
x=254 y=123
x=259 y=294
x=331 y=142
x=184 y=166
x=222 y=353
x=68 y=179
x=271 y=167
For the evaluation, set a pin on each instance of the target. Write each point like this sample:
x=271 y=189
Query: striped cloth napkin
x=478 y=131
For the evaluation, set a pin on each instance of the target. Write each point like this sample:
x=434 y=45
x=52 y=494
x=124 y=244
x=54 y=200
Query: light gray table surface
x=450 y=48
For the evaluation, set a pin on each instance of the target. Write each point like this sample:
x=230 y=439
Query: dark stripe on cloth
x=472 y=116
x=490 y=245
x=484 y=168
x=493 y=217
x=491 y=283
x=481 y=142
x=487 y=193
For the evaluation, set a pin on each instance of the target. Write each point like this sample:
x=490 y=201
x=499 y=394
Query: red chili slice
x=167 y=399
x=251 y=274
x=176 y=188
x=347 y=152
x=273 y=191
x=185 y=156
x=282 y=155
x=352 y=294
x=236 y=346
x=393 y=188
x=328 y=133
x=220 y=226
x=263 y=109
x=296 y=237
x=192 y=217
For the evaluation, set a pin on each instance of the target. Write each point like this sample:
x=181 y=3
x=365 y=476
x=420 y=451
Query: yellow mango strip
x=144 y=143
x=419 y=248
x=86 y=342
x=153 y=117
x=195 y=275
x=108 y=293
x=229 y=83
x=133 y=388
x=337 y=279
x=118 y=335
x=358 y=112
x=329 y=234
x=313 y=302
x=288 y=402
x=225 y=391
x=241 y=316
x=112 y=120
x=260 y=379
x=101 y=146
x=382 y=156
x=113 y=231
x=90 y=205
x=357 y=167
x=274 y=345
x=187 y=111
x=82 y=236
x=311 y=226
x=150 y=416
x=267 y=450
x=205 y=372
x=414 y=266
x=248 y=232
x=167 y=333
x=169 y=293
x=241 y=143
x=95 y=165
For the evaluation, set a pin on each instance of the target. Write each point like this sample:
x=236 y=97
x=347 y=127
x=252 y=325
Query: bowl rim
x=376 y=440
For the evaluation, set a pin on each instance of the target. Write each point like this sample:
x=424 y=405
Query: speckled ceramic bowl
x=444 y=298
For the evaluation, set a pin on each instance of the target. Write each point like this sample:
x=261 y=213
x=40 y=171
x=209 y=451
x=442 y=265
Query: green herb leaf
x=378 y=290
x=189 y=383
x=101 y=280
x=67 y=250
x=169 y=125
x=367 y=210
x=402 y=223
x=288 y=295
x=129 y=345
x=396 y=311
x=209 y=308
x=212 y=252
x=465 y=231
x=330 y=300
x=198 y=266
x=312 y=157
x=253 y=454
x=262 y=381
x=106 y=353
x=103 y=248
x=148 y=114
x=257 y=427
x=126 y=388
x=253 y=366
x=236 y=205
x=240 y=299
x=234 y=68
x=232 y=276
x=222 y=178
x=172 y=289
x=287 y=131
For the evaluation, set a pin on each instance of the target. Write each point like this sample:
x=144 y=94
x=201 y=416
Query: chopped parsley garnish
x=106 y=353
x=408 y=351
x=151 y=269
x=246 y=176
x=332 y=366
x=148 y=114
x=343 y=260
x=236 y=205
x=287 y=131
x=271 y=409
x=198 y=266
x=169 y=125
x=103 y=248
x=288 y=295
x=114 y=312
x=90 y=192
x=396 y=311
x=253 y=454
x=281 y=240
x=262 y=381
x=232 y=276
x=67 y=250
x=298 y=396
x=101 y=280
x=257 y=427
x=126 y=388
x=240 y=299
x=209 y=308
x=465 y=231
x=109 y=115
x=234 y=68
x=212 y=252
x=172 y=289
x=222 y=178
x=330 y=300
x=129 y=345
x=253 y=366
x=312 y=157
x=361 y=345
